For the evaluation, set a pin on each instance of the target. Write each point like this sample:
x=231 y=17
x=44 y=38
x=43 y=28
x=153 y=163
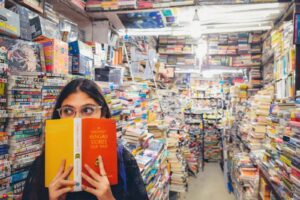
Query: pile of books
x=295 y=173
x=260 y=108
x=255 y=78
x=212 y=145
x=179 y=176
x=134 y=114
x=152 y=162
x=245 y=177
x=24 y=126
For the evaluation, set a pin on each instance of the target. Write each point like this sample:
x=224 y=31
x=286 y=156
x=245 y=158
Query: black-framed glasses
x=84 y=111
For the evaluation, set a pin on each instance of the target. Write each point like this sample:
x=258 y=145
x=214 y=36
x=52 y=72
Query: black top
x=35 y=190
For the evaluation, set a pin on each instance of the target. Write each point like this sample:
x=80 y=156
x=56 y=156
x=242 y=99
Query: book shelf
x=177 y=52
x=234 y=50
x=133 y=5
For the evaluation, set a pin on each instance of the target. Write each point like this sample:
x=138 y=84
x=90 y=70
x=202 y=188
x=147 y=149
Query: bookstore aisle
x=205 y=95
x=209 y=184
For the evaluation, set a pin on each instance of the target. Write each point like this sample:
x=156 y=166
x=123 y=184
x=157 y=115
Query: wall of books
x=260 y=132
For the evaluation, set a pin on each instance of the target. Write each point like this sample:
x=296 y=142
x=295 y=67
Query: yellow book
x=79 y=142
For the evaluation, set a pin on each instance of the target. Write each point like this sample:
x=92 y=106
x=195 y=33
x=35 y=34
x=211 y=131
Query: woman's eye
x=68 y=111
x=88 y=110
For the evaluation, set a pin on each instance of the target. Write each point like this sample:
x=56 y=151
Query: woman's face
x=79 y=104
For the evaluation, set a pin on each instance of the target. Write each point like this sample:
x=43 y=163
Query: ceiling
x=212 y=19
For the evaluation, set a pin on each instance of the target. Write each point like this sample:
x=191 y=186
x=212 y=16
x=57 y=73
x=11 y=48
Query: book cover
x=80 y=142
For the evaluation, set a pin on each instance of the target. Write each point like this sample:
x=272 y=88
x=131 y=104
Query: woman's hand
x=100 y=184
x=60 y=186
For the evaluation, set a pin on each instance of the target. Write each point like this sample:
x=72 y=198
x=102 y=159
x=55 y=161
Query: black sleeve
x=135 y=184
x=34 y=187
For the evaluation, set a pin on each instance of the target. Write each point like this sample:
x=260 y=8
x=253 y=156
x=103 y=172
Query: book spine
x=77 y=153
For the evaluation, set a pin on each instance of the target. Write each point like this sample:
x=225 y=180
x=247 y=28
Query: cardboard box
x=24 y=21
x=22 y=56
x=44 y=29
x=82 y=58
x=9 y=23
x=56 y=56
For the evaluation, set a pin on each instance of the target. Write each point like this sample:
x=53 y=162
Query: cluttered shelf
x=273 y=187
x=111 y=7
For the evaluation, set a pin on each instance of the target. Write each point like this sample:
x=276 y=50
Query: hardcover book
x=80 y=142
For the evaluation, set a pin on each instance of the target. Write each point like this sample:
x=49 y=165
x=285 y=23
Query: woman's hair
x=83 y=85
x=34 y=186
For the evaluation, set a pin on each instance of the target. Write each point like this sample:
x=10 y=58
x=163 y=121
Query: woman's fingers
x=63 y=191
x=91 y=181
x=101 y=166
x=67 y=173
x=92 y=172
x=66 y=183
x=61 y=169
x=89 y=190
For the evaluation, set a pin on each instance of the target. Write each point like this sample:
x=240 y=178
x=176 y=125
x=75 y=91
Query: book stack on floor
x=289 y=161
x=245 y=177
x=179 y=176
x=212 y=145
x=24 y=126
x=152 y=162
x=260 y=107
x=277 y=123
x=192 y=153
x=134 y=115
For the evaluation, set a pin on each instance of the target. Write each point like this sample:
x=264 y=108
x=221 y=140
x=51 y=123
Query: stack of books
x=24 y=126
x=245 y=177
x=295 y=173
x=179 y=176
x=212 y=145
x=152 y=162
x=255 y=78
x=260 y=108
x=134 y=114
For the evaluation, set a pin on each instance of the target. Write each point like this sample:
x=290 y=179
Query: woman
x=82 y=98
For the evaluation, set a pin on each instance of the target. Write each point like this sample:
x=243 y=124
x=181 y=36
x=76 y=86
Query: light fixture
x=196 y=16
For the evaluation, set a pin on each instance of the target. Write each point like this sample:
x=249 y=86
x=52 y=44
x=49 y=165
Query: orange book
x=80 y=142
